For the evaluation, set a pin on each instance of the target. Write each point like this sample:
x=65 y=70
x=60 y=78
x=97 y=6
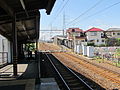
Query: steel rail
x=87 y=86
x=58 y=72
x=76 y=75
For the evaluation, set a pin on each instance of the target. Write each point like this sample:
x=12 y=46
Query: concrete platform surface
x=26 y=84
x=48 y=84
x=6 y=73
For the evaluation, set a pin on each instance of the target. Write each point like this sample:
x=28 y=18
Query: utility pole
x=64 y=23
x=51 y=31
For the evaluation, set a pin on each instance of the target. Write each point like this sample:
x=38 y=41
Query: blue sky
x=106 y=19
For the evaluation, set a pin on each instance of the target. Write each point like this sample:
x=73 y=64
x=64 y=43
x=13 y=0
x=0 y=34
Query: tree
x=30 y=47
x=118 y=41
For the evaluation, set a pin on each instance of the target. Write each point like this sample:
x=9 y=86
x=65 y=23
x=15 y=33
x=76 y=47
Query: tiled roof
x=94 y=29
x=113 y=29
x=74 y=29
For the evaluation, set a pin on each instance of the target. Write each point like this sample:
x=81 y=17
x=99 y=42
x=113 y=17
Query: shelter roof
x=27 y=18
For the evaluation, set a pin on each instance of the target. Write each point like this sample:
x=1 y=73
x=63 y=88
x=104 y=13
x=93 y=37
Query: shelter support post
x=15 y=57
x=36 y=45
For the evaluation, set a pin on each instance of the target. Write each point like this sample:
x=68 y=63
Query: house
x=113 y=33
x=95 y=35
x=59 y=39
x=76 y=34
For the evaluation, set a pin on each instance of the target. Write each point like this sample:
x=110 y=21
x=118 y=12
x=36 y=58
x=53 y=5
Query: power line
x=85 y=12
x=101 y=11
x=60 y=6
x=47 y=30
x=60 y=11
x=56 y=12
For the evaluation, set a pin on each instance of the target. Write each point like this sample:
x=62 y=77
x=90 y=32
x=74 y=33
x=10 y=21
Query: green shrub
x=102 y=45
x=90 y=44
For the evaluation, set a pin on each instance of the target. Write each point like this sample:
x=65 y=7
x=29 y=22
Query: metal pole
x=63 y=23
x=37 y=45
x=14 y=46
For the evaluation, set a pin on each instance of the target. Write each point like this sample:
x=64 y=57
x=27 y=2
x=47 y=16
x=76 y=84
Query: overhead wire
x=60 y=11
x=50 y=24
x=100 y=11
x=59 y=7
x=58 y=14
x=85 y=12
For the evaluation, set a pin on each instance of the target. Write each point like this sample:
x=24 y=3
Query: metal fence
x=3 y=57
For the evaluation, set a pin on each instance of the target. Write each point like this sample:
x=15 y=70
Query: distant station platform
x=52 y=51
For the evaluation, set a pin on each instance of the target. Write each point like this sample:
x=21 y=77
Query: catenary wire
x=85 y=11
x=99 y=11
x=60 y=11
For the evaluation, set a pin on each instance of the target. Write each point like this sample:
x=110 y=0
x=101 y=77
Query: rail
x=58 y=73
x=67 y=70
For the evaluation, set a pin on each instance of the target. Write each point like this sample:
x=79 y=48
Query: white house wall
x=95 y=37
x=113 y=34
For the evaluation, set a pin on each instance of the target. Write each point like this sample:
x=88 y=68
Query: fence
x=109 y=53
x=3 y=57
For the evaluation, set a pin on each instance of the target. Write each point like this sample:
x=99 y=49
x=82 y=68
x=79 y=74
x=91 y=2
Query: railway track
x=110 y=77
x=100 y=70
x=71 y=80
x=115 y=72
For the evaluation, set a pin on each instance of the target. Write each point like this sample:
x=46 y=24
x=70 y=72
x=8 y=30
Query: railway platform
x=48 y=84
x=27 y=79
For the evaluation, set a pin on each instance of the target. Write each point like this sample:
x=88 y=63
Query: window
x=118 y=33
x=102 y=40
x=82 y=40
x=97 y=40
x=93 y=33
x=113 y=33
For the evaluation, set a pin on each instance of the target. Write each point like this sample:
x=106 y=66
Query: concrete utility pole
x=74 y=40
x=64 y=23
